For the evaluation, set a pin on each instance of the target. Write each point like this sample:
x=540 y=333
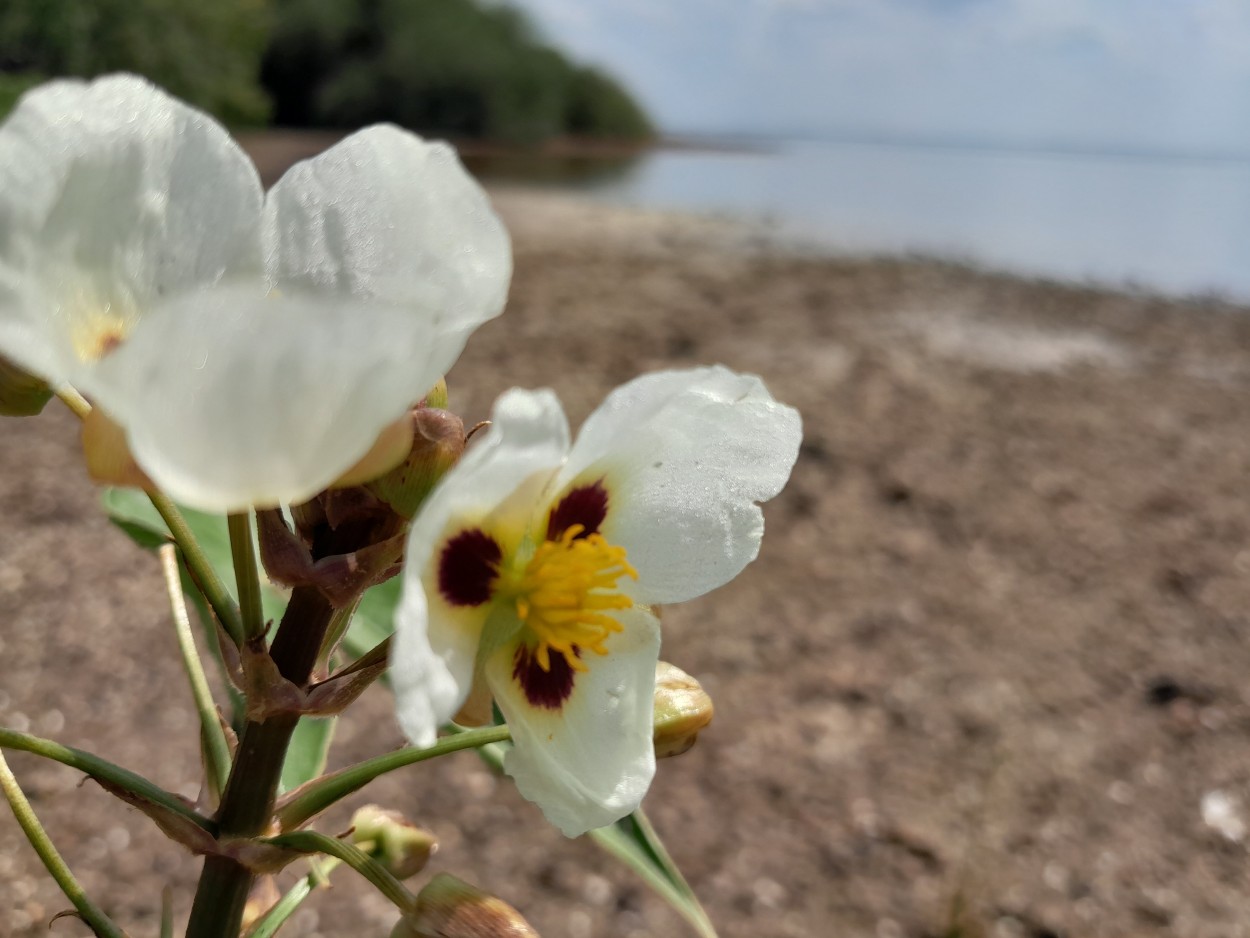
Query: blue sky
x=1170 y=74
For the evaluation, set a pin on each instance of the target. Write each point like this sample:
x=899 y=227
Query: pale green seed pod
x=392 y=840
x=682 y=709
x=450 y=908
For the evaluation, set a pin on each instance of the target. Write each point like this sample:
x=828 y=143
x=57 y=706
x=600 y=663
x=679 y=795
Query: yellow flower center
x=565 y=592
x=97 y=324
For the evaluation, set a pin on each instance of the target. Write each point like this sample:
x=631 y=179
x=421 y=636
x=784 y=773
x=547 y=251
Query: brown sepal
x=268 y=693
x=179 y=829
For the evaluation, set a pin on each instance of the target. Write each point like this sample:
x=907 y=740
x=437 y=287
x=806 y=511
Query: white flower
x=533 y=566
x=252 y=347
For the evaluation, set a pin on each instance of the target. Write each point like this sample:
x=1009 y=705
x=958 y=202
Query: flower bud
x=107 y=453
x=21 y=393
x=438 y=441
x=450 y=908
x=388 y=837
x=682 y=709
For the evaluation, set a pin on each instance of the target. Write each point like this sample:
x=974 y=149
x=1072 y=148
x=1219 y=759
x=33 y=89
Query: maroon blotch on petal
x=467 y=568
x=586 y=505
x=546 y=689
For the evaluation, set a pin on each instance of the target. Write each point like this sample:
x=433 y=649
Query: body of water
x=1170 y=223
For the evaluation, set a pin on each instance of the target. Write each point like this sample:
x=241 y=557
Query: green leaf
x=634 y=842
x=373 y=622
x=306 y=756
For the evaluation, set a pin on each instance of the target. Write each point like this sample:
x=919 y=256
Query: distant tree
x=451 y=66
x=204 y=51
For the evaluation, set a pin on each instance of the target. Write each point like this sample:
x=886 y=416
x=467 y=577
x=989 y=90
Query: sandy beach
x=987 y=671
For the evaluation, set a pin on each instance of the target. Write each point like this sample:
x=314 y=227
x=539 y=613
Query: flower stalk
x=311 y=799
x=92 y=914
x=243 y=551
x=216 y=749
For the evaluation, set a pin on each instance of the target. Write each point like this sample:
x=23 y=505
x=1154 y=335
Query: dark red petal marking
x=546 y=689
x=467 y=568
x=586 y=505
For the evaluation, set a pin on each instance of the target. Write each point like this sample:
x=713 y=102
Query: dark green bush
x=204 y=51
x=449 y=66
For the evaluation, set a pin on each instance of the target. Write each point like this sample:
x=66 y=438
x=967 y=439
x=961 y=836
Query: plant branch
x=243 y=550
x=216 y=749
x=202 y=571
x=309 y=800
x=353 y=856
x=104 y=770
x=92 y=914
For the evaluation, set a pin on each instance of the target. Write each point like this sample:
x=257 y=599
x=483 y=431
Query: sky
x=1119 y=74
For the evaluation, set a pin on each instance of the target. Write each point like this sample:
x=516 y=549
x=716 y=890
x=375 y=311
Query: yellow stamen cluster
x=563 y=595
x=97 y=325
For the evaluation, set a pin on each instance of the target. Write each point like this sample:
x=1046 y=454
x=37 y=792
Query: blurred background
x=988 y=677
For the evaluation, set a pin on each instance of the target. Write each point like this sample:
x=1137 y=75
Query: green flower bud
x=388 y=837
x=450 y=908
x=438 y=441
x=21 y=393
x=682 y=709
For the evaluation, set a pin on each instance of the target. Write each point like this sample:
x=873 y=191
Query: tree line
x=465 y=68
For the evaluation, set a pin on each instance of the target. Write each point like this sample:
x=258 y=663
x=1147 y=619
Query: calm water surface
x=1181 y=225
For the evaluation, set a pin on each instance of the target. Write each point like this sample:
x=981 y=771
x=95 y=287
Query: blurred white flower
x=251 y=347
x=533 y=564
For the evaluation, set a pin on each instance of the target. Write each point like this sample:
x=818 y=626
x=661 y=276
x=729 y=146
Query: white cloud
x=1154 y=72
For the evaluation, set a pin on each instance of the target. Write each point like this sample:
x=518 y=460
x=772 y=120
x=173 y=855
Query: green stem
x=353 y=856
x=285 y=907
x=167 y=912
x=247 y=804
x=311 y=799
x=101 y=769
x=216 y=749
x=100 y=923
x=206 y=578
x=243 y=550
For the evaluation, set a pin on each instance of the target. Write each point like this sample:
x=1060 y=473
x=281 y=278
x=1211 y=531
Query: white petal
x=686 y=456
x=113 y=195
x=589 y=763
x=232 y=399
x=493 y=489
x=386 y=215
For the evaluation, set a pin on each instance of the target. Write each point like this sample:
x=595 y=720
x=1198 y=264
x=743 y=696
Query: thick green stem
x=311 y=799
x=206 y=578
x=247 y=804
x=243 y=550
x=92 y=914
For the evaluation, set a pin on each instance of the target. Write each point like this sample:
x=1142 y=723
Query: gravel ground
x=987 y=668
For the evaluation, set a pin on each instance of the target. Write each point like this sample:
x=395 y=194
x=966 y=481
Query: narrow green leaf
x=634 y=842
x=306 y=756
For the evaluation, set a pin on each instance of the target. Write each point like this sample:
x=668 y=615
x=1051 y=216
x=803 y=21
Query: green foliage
x=450 y=66
x=207 y=53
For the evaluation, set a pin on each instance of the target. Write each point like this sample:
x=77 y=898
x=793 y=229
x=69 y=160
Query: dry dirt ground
x=988 y=666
